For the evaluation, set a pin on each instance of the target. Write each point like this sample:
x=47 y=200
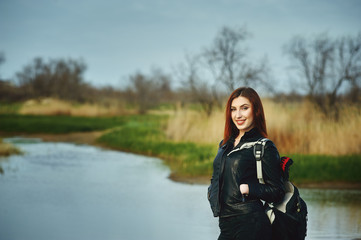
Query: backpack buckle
x=258 y=150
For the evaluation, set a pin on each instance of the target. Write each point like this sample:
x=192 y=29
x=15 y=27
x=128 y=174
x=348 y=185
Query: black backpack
x=289 y=216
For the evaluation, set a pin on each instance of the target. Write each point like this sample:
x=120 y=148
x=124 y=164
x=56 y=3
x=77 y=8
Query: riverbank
x=189 y=162
x=92 y=138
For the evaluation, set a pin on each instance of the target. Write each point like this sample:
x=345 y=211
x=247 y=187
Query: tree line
x=328 y=70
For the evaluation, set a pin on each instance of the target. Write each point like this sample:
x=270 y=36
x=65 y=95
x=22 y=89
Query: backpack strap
x=258 y=152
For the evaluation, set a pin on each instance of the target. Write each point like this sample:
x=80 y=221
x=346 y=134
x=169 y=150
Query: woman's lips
x=240 y=122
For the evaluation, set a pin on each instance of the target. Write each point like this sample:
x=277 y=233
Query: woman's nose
x=239 y=114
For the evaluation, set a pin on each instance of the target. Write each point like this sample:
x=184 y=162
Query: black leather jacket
x=232 y=167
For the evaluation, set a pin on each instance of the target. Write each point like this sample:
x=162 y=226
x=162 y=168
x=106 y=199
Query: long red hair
x=258 y=114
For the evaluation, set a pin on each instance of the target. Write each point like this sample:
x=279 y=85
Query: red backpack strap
x=286 y=162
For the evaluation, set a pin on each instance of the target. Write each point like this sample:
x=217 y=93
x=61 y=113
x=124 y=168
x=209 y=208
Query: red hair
x=258 y=114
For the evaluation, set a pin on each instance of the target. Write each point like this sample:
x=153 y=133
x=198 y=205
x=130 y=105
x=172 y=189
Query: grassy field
x=322 y=150
x=59 y=124
x=324 y=168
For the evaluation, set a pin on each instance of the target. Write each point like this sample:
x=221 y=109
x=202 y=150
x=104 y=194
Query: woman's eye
x=244 y=108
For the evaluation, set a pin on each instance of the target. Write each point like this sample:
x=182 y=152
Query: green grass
x=9 y=108
x=320 y=168
x=59 y=124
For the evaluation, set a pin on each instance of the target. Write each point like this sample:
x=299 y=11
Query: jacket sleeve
x=273 y=190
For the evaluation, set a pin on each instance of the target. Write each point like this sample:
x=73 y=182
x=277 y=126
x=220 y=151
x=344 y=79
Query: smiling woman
x=235 y=195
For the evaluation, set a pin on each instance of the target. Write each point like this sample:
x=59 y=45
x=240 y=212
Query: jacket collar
x=251 y=135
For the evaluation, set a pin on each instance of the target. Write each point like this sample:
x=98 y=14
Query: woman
x=235 y=194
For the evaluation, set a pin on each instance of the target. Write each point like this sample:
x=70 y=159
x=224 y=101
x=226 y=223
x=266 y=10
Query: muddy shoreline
x=91 y=137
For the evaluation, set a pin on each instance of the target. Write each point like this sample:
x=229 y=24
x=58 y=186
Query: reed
x=296 y=128
x=191 y=126
x=300 y=128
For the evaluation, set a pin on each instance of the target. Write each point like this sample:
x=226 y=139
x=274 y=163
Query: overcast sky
x=116 y=38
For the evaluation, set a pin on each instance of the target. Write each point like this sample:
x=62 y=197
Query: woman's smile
x=240 y=122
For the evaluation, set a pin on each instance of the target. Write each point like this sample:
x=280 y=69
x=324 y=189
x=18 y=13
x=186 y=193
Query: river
x=66 y=191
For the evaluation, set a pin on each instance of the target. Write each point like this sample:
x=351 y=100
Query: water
x=67 y=191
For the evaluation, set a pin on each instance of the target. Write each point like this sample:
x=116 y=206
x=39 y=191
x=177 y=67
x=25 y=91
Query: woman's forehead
x=239 y=101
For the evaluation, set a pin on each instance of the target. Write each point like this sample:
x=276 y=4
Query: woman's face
x=242 y=114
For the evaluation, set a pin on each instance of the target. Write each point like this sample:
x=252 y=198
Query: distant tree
x=162 y=82
x=227 y=58
x=2 y=60
x=8 y=92
x=195 y=88
x=326 y=65
x=55 y=78
x=149 y=91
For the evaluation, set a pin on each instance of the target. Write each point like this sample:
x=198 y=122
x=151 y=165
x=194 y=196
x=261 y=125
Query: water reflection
x=66 y=191
x=333 y=214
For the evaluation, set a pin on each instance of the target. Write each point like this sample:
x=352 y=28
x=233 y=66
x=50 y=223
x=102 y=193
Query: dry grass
x=50 y=106
x=300 y=128
x=294 y=127
x=191 y=126
x=6 y=149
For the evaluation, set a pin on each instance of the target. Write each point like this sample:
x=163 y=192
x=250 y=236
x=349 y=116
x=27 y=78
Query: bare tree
x=195 y=87
x=227 y=59
x=325 y=65
x=162 y=82
x=55 y=78
x=348 y=66
x=225 y=63
x=149 y=91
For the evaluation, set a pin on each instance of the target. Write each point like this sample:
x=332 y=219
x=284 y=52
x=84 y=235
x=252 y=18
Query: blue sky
x=118 y=38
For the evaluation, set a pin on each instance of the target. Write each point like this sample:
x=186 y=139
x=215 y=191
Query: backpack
x=289 y=216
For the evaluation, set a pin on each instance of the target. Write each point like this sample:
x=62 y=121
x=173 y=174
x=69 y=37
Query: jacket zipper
x=219 y=181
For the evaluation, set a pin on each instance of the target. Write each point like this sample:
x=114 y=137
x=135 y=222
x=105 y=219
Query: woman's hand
x=244 y=189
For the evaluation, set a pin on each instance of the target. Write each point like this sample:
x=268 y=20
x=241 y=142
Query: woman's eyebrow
x=243 y=105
